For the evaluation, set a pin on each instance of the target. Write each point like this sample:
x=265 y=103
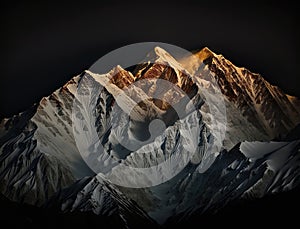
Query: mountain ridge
x=247 y=89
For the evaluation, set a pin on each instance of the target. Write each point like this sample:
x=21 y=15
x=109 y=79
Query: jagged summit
x=160 y=52
x=204 y=54
x=160 y=56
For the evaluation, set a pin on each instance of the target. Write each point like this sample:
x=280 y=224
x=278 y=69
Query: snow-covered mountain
x=266 y=106
x=219 y=121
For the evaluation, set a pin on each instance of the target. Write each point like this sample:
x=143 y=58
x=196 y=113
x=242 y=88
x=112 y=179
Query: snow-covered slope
x=192 y=162
x=250 y=169
x=54 y=133
x=27 y=174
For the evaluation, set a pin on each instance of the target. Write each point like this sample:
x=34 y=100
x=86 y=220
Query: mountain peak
x=161 y=52
x=160 y=55
x=205 y=53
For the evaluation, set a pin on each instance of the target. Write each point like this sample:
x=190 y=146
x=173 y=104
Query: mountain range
x=237 y=139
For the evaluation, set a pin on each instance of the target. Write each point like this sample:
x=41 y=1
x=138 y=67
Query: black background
x=44 y=44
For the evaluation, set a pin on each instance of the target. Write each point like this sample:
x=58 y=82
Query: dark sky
x=44 y=45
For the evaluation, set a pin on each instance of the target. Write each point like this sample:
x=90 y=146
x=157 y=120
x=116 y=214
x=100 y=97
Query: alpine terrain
x=225 y=134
